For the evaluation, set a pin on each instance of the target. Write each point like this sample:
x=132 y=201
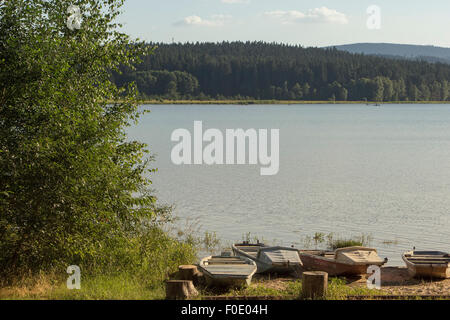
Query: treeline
x=258 y=70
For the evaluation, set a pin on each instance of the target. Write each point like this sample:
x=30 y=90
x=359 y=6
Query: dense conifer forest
x=270 y=71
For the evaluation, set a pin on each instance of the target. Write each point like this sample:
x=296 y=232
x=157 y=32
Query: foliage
x=334 y=243
x=359 y=241
x=161 y=83
x=134 y=272
x=270 y=71
x=249 y=237
x=73 y=190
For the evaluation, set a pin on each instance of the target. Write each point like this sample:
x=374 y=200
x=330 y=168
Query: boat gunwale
x=409 y=254
x=235 y=248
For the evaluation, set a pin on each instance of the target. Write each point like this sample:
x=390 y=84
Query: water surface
x=344 y=169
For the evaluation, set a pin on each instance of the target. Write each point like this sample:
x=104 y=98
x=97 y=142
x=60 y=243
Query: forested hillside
x=257 y=70
x=397 y=51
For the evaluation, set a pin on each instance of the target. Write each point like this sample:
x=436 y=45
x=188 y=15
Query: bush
x=73 y=189
x=361 y=241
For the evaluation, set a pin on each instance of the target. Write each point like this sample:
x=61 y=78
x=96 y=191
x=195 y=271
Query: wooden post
x=180 y=290
x=314 y=284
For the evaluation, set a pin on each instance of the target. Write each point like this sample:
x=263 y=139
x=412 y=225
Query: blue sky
x=308 y=23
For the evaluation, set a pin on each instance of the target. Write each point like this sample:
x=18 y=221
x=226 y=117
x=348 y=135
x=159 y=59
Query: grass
x=101 y=287
x=126 y=287
x=338 y=290
x=333 y=242
x=345 y=244
x=358 y=241
x=292 y=289
x=137 y=271
x=261 y=288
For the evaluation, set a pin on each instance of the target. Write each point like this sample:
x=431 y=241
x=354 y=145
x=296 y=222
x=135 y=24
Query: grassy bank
x=135 y=271
x=129 y=287
x=133 y=287
x=278 y=102
x=100 y=287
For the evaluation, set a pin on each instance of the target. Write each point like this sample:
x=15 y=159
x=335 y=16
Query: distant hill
x=391 y=50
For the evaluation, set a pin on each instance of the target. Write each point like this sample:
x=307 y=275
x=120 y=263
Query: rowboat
x=227 y=271
x=269 y=259
x=351 y=261
x=433 y=264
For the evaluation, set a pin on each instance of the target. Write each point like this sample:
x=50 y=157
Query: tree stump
x=314 y=284
x=187 y=272
x=180 y=290
x=190 y=272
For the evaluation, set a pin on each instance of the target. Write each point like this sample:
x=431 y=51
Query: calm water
x=344 y=169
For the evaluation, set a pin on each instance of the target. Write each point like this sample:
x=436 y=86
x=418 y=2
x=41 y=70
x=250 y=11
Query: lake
x=344 y=169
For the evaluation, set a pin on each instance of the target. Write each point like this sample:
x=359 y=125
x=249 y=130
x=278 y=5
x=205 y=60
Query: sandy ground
x=394 y=281
x=397 y=281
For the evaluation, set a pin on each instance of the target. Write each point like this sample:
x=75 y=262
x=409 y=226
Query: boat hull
x=438 y=271
x=227 y=281
x=264 y=266
x=333 y=268
x=227 y=271
x=273 y=268
x=430 y=272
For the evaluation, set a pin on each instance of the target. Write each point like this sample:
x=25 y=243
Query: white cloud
x=320 y=15
x=217 y=20
x=235 y=1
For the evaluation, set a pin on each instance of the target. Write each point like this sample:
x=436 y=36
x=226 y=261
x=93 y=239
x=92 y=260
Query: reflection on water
x=344 y=169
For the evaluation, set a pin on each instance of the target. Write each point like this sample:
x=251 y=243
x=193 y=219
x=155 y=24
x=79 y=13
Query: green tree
x=388 y=91
x=414 y=93
x=172 y=90
x=425 y=92
x=378 y=91
x=445 y=90
x=72 y=188
x=306 y=90
x=297 y=91
x=436 y=91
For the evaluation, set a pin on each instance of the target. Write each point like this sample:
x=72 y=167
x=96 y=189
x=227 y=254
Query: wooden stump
x=187 y=272
x=314 y=284
x=180 y=290
x=190 y=272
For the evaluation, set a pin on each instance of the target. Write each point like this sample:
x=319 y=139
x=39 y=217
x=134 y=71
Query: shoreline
x=280 y=102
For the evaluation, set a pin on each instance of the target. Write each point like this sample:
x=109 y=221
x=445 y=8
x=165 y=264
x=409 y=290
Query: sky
x=307 y=23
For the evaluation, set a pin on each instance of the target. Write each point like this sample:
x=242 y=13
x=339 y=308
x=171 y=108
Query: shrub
x=73 y=189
